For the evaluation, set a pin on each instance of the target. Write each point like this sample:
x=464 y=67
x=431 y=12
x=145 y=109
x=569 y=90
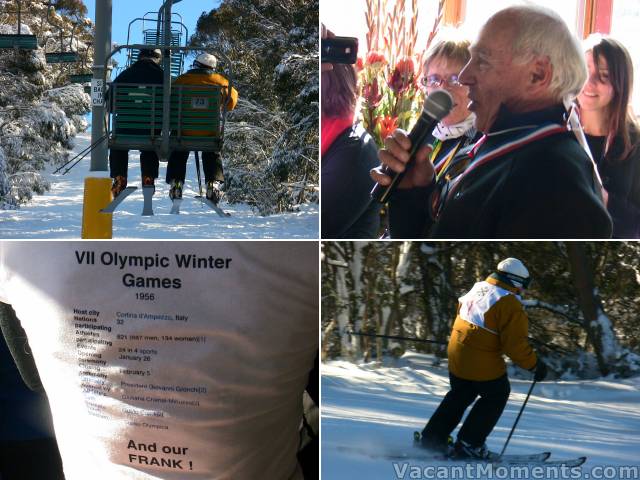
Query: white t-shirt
x=170 y=360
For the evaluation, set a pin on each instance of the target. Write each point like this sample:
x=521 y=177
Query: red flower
x=376 y=60
x=403 y=76
x=387 y=126
x=371 y=93
x=359 y=64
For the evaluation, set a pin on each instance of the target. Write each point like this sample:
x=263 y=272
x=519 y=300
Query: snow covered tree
x=40 y=112
x=582 y=303
x=271 y=140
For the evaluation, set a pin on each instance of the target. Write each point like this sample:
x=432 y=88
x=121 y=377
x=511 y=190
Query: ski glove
x=540 y=371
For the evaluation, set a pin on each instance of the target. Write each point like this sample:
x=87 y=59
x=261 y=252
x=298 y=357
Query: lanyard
x=442 y=168
x=437 y=145
x=440 y=196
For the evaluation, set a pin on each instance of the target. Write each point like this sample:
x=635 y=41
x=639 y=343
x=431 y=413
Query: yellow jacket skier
x=202 y=73
x=490 y=322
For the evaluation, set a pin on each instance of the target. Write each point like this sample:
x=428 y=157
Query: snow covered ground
x=58 y=213
x=378 y=408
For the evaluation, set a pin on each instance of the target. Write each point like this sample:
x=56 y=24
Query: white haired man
x=527 y=177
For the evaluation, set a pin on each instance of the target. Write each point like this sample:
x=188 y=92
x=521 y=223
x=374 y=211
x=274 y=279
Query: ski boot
x=462 y=449
x=148 y=182
x=118 y=185
x=175 y=192
x=433 y=444
x=214 y=192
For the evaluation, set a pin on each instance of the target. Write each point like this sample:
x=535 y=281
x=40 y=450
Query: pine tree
x=271 y=142
x=581 y=304
x=39 y=112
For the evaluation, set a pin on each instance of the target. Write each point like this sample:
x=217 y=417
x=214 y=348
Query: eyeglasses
x=435 y=81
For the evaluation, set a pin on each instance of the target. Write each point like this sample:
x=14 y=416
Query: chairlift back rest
x=62 y=57
x=80 y=77
x=24 y=42
x=195 y=119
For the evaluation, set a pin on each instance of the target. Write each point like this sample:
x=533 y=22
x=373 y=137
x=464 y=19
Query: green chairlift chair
x=61 y=56
x=18 y=41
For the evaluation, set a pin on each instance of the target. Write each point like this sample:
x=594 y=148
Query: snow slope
x=378 y=408
x=58 y=213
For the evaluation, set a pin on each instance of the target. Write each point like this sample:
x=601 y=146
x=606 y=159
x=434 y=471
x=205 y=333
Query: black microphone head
x=438 y=104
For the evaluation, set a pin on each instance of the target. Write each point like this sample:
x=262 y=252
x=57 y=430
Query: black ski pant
x=211 y=165
x=481 y=419
x=119 y=162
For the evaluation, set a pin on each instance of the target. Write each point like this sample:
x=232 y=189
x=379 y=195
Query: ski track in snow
x=58 y=213
x=378 y=408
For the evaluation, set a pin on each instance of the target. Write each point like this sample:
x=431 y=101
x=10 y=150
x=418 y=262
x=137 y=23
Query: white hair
x=540 y=31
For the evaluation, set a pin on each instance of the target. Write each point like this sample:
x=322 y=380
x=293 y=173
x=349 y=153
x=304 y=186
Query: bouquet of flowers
x=390 y=70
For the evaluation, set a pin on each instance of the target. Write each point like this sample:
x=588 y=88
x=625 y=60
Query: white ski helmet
x=207 y=60
x=514 y=272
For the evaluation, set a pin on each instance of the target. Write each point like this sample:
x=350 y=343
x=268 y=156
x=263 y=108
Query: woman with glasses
x=445 y=60
x=612 y=131
x=441 y=68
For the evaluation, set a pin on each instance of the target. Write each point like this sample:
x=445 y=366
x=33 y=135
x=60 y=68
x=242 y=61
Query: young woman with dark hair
x=612 y=131
x=348 y=154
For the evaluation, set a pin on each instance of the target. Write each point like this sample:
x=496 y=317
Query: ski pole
x=82 y=154
x=198 y=171
x=395 y=337
x=518 y=417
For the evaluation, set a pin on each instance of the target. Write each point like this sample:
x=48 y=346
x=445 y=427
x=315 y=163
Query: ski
x=424 y=455
x=492 y=457
x=175 y=205
x=110 y=208
x=147 y=193
x=213 y=206
x=507 y=459
x=570 y=463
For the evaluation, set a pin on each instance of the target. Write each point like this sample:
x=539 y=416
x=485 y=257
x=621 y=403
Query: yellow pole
x=97 y=195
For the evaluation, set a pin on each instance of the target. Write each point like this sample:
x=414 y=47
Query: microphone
x=436 y=107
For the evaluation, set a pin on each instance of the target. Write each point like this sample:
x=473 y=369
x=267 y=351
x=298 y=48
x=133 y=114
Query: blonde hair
x=451 y=49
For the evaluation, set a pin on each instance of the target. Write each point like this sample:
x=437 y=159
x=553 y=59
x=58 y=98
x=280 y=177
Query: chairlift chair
x=61 y=56
x=85 y=76
x=152 y=37
x=80 y=77
x=196 y=120
x=18 y=41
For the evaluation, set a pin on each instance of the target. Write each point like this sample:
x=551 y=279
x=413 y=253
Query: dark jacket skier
x=145 y=71
x=490 y=321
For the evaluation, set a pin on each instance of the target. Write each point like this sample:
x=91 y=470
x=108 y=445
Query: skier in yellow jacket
x=490 y=322
x=202 y=73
